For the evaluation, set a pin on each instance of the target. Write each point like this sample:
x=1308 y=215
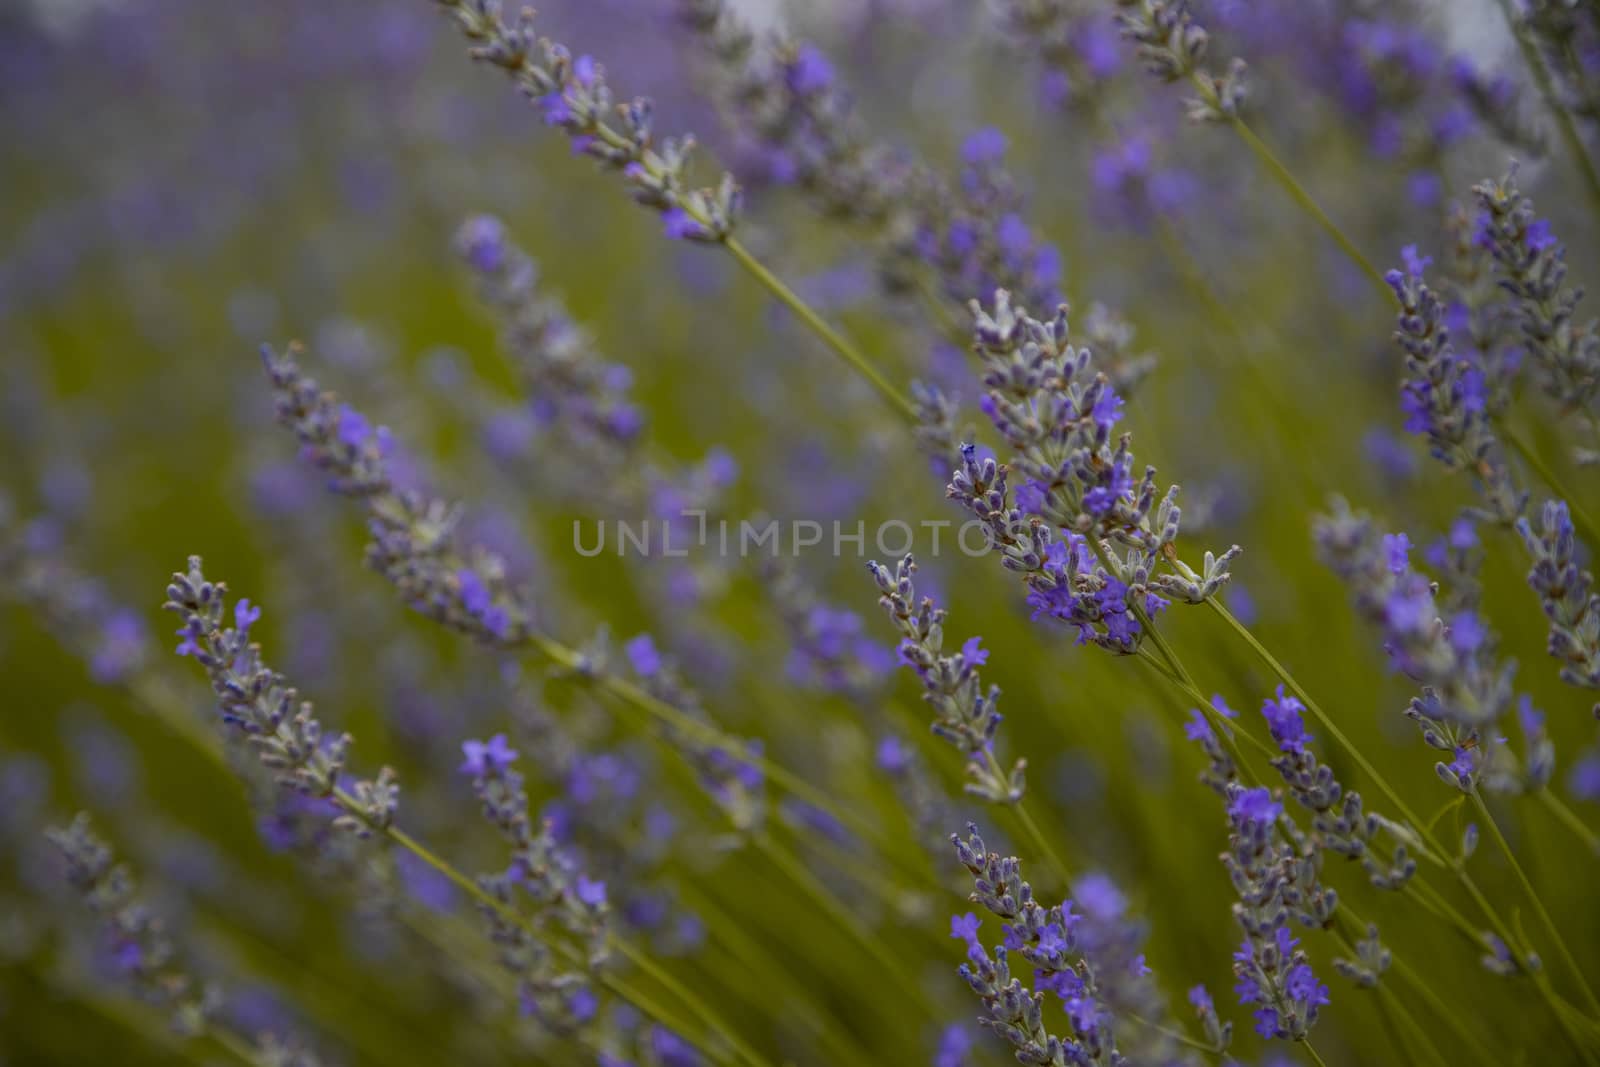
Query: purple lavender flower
x=964 y=712
x=1081 y=493
x=574 y=96
x=1532 y=268
x=1046 y=938
x=487 y=758
x=1566 y=593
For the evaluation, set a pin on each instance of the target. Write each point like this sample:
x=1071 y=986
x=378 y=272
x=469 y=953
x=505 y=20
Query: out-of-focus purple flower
x=487 y=759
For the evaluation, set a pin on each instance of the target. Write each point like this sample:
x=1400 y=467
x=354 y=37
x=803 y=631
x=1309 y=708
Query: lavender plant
x=675 y=780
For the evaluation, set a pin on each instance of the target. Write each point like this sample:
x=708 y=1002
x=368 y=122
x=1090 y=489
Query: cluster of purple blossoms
x=1532 y=269
x=266 y=710
x=974 y=236
x=786 y=98
x=965 y=713
x=827 y=649
x=1414 y=103
x=569 y=387
x=1445 y=396
x=970 y=232
x=146 y=957
x=565 y=904
x=573 y=95
x=139 y=946
x=1173 y=47
x=1047 y=938
x=1274 y=881
x=112 y=638
x=1338 y=822
x=1482 y=326
x=1465 y=689
x=1077 y=43
x=1090 y=541
x=413 y=536
x=1567 y=594
x=1454 y=402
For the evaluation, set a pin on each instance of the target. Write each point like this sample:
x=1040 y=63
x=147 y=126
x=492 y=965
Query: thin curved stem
x=1568 y=818
x=830 y=336
x=1285 y=177
x=820 y=895
x=1167 y=1031
x=1586 y=525
x=1316 y=1058
x=1538 y=902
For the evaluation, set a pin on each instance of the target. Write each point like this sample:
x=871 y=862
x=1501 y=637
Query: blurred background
x=184 y=181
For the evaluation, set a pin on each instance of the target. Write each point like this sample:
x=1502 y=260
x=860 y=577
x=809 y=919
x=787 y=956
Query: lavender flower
x=565 y=902
x=1566 y=593
x=1173 y=47
x=138 y=941
x=1338 y=823
x=1533 y=270
x=828 y=651
x=965 y=714
x=1076 y=42
x=259 y=703
x=729 y=768
x=1080 y=494
x=786 y=97
x=78 y=610
x=413 y=536
x=585 y=397
x=1047 y=939
x=573 y=94
x=1273 y=882
x=1445 y=397
x=1464 y=689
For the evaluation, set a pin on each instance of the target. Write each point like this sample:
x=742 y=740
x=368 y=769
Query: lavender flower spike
x=413 y=535
x=573 y=94
x=1094 y=548
x=1045 y=937
x=1445 y=396
x=259 y=703
x=1174 y=46
x=1566 y=593
x=140 y=947
x=1532 y=264
x=965 y=713
x=565 y=902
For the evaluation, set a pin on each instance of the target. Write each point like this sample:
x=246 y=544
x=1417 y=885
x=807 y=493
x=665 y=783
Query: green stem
x=1305 y=1043
x=851 y=923
x=1591 y=532
x=1030 y=827
x=692 y=1000
x=830 y=336
x=1538 y=902
x=1167 y=1031
x=1568 y=818
x=1298 y=193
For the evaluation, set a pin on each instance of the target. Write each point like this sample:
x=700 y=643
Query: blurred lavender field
x=488 y=575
